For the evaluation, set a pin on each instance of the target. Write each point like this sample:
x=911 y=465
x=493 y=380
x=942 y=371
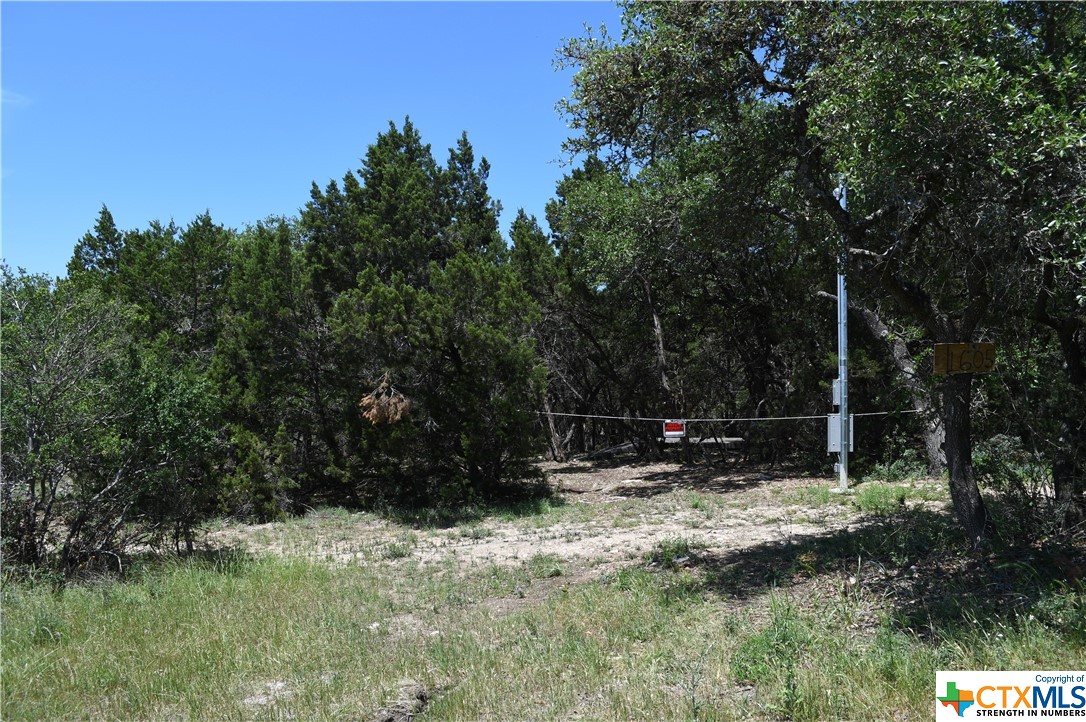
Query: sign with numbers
x=964 y=358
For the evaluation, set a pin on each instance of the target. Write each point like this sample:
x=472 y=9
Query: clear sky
x=164 y=110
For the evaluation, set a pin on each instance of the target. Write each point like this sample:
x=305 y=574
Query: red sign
x=674 y=427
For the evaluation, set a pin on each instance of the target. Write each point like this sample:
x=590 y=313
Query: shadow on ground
x=653 y=478
x=695 y=478
x=913 y=565
x=513 y=502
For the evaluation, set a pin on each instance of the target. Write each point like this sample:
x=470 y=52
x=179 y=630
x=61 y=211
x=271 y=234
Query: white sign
x=972 y=694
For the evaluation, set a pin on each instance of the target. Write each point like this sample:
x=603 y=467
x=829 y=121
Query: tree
x=389 y=215
x=922 y=107
x=63 y=350
x=273 y=365
x=196 y=269
x=103 y=447
x=532 y=259
x=435 y=322
x=97 y=254
x=143 y=277
x=176 y=448
x=473 y=214
x=380 y=347
x=460 y=353
x=701 y=299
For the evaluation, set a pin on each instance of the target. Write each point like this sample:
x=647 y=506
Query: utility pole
x=844 y=421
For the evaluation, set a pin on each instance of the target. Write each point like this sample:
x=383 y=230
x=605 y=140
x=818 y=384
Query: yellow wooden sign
x=964 y=358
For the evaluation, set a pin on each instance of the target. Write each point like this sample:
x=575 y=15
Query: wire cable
x=695 y=421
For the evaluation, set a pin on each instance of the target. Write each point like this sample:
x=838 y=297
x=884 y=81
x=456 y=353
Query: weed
x=400 y=546
x=1064 y=609
x=47 y=627
x=814 y=496
x=474 y=531
x=908 y=467
x=544 y=566
x=673 y=552
x=765 y=654
x=703 y=504
x=692 y=680
x=879 y=499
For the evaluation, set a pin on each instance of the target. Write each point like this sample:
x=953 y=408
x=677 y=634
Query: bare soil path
x=602 y=515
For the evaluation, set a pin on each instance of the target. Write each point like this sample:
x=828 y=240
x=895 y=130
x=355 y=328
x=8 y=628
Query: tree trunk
x=579 y=442
x=667 y=396
x=555 y=440
x=1068 y=470
x=968 y=504
x=688 y=451
x=933 y=432
x=1069 y=464
x=658 y=335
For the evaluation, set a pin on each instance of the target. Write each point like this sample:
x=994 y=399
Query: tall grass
x=267 y=638
x=683 y=633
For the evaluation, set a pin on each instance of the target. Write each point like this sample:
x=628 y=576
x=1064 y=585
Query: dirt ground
x=604 y=515
x=638 y=507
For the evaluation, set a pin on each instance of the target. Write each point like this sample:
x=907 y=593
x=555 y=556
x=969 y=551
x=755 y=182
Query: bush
x=907 y=467
x=1026 y=511
x=105 y=444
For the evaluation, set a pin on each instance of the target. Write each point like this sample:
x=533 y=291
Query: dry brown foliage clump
x=410 y=701
x=385 y=405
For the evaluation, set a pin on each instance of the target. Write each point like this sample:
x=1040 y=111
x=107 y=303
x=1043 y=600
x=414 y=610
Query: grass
x=869 y=496
x=474 y=531
x=825 y=627
x=904 y=468
x=401 y=545
x=880 y=499
x=269 y=638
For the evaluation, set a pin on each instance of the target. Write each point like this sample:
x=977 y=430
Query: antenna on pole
x=839 y=426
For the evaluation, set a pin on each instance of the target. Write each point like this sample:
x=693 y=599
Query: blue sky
x=163 y=110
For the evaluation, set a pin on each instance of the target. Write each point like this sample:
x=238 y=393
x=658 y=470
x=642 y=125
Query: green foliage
x=387 y=347
x=106 y=443
x=765 y=653
x=63 y=356
x=96 y=257
x=906 y=467
x=724 y=130
x=1002 y=462
x=270 y=366
x=672 y=553
x=880 y=499
x=386 y=338
x=1021 y=481
x=260 y=485
x=176 y=422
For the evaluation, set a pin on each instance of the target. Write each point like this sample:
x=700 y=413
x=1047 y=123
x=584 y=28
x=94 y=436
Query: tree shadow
x=914 y=563
x=110 y=567
x=592 y=467
x=695 y=477
x=512 y=501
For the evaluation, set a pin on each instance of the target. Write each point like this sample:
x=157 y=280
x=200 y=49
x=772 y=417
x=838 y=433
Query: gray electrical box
x=833 y=433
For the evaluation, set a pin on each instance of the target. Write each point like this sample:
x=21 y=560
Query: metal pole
x=842 y=351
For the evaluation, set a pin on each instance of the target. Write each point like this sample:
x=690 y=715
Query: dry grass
x=640 y=592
